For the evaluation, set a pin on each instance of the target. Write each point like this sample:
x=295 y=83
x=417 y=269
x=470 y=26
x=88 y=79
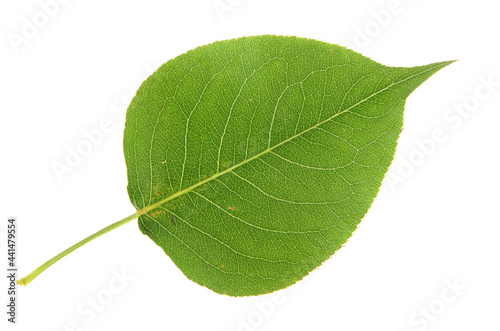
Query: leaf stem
x=28 y=279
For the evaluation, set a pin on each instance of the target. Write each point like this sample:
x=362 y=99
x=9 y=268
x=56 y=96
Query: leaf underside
x=253 y=160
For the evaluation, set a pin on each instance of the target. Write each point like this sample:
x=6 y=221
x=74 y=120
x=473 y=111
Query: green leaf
x=252 y=160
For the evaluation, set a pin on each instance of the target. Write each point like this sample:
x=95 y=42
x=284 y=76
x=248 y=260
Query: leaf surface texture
x=253 y=160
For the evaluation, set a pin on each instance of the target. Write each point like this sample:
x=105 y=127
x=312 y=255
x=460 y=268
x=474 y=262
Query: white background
x=434 y=223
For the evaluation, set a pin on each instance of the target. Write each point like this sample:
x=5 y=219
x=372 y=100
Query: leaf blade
x=253 y=199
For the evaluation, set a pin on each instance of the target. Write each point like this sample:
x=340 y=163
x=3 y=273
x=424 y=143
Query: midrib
x=256 y=156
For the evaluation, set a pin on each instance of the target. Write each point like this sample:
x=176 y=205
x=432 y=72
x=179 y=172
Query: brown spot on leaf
x=156 y=213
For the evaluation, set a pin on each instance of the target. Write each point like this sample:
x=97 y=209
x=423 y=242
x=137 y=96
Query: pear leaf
x=251 y=161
